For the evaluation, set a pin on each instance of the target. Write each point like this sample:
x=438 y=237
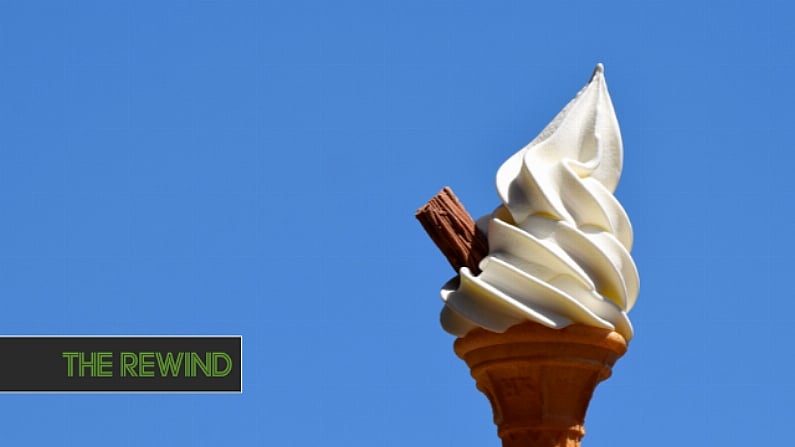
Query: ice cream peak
x=559 y=243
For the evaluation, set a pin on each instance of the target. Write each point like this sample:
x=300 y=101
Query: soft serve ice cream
x=559 y=243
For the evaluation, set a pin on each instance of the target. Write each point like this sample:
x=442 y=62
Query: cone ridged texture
x=540 y=380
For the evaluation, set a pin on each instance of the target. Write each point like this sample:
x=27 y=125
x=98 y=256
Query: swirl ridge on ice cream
x=559 y=243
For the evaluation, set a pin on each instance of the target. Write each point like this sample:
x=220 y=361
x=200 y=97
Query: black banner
x=121 y=364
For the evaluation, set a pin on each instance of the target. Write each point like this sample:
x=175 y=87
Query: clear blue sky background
x=252 y=167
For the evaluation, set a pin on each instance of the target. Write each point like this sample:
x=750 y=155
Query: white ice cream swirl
x=559 y=245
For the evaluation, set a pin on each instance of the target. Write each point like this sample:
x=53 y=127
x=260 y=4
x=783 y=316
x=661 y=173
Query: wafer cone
x=540 y=380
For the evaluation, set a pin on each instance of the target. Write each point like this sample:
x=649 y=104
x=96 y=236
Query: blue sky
x=252 y=168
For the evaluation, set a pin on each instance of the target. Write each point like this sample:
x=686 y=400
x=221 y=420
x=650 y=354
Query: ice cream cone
x=540 y=380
